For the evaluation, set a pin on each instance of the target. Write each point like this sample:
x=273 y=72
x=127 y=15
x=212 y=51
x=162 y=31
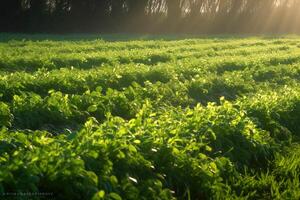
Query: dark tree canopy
x=197 y=16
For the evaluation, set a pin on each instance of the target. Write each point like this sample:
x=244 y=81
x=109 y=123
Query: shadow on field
x=5 y=37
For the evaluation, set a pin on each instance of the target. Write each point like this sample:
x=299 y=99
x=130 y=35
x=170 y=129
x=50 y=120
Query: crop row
x=53 y=107
x=222 y=76
x=30 y=56
x=191 y=153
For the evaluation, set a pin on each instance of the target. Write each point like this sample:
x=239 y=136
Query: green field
x=130 y=117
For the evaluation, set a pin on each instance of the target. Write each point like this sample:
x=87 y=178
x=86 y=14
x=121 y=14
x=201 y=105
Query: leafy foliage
x=200 y=119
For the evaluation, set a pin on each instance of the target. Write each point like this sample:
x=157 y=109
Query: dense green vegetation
x=87 y=117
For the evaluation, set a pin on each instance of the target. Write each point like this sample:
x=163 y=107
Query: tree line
x=195 y=16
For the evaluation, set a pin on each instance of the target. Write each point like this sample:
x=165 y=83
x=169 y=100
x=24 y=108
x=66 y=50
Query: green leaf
x=208 y=148
x=99 y=195
x=113 y=180
x=92 y=108
x=132 y=148
x=137 y=141
x=114 y=196
x=202 y=156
